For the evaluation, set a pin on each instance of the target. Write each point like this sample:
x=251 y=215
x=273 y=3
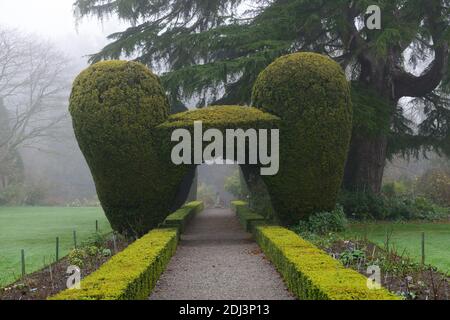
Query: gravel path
x=218 y=260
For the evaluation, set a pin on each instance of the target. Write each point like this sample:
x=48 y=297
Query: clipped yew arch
x=121 y=120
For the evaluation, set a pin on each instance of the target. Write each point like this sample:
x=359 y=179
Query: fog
x=54 y=20
x=53 y=163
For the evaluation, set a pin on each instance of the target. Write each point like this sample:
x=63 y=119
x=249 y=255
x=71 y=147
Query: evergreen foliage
x=120 y=116
x=310 y=94
x=115 y=107
x=214 y=50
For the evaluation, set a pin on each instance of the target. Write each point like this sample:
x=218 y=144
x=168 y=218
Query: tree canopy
x=213 y=50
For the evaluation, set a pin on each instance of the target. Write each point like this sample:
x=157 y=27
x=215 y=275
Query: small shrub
x=362 y=205
x=369 y=206
x=106 y=253
x=81 y=203
x=427 y=210
x=395 y=189
x=323 y=223
x=92 y=251
x=352 y=257
x=77 y=257
x=95 y=240
x=435 y=185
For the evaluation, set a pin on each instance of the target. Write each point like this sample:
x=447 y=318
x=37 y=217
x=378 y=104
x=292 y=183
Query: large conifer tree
x=211 y=50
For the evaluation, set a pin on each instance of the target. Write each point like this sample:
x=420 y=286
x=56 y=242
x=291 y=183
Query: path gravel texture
x=218 y=260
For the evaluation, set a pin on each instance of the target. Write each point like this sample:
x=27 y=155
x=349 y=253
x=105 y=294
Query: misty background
x=52 y=168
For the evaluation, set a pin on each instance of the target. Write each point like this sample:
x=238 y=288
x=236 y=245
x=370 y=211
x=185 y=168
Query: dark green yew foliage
x=121 y=119
x=115 y=106
x=311 y=95
x=371 y=113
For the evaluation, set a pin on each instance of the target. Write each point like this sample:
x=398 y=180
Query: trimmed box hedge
x=310 y=273
x=133 y=273
x=181 y=217
x=247 y=217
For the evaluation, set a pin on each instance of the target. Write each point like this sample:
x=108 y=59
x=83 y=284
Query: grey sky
x=53 y=20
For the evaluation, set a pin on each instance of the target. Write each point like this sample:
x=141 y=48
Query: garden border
x=310 y=273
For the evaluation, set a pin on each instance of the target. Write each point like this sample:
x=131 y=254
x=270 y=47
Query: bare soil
x=400 y=275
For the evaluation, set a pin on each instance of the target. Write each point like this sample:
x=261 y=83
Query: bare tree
x=33 y=91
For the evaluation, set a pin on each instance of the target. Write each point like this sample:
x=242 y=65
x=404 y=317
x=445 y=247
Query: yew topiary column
x=311 y=95
x=115 y=107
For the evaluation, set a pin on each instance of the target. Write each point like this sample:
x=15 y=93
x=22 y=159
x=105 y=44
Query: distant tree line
x=33 y=91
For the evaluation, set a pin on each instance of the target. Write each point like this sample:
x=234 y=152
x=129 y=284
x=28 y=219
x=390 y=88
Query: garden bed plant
x=400 y=274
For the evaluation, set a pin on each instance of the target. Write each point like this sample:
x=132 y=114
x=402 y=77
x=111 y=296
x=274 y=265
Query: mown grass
x=35 y=229
x=407 y=238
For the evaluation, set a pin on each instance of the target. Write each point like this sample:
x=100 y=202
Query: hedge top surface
x=239 y=203
x=197 y=205
x=223 y=117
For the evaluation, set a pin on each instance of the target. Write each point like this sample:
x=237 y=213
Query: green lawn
x=408 y=236
x=35 y=229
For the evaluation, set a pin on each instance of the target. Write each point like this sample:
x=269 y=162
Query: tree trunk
x=366 y=159
x=365 y=164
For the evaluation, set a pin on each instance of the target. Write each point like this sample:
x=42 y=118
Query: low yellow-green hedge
x=132 y=274
x=181 y=217
x=248 y=218
x=310 y=273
